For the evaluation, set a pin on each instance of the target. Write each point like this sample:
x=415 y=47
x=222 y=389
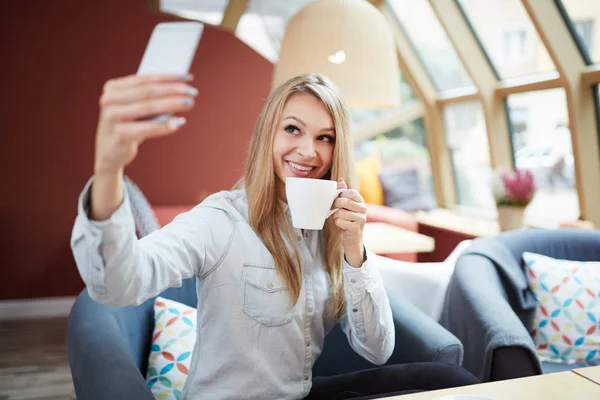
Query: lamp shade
x=348 y=41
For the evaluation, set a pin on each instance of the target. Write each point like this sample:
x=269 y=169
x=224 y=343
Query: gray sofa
x=108 y=347
x=490 y=308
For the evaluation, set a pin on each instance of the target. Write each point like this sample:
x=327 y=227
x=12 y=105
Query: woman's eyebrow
x=331 y=129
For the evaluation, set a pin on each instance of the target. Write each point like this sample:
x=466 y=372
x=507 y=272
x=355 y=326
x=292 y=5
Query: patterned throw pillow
x=172 y=344
x=567 y=320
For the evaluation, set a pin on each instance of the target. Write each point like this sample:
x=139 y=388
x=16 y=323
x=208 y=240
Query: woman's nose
x=307 y=149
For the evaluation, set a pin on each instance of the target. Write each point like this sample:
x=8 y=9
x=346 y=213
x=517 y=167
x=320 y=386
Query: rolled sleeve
x=120 y=270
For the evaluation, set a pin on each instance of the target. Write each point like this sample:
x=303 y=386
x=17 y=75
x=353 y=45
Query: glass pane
x=508 y=36
x=403 y=154
x=360 y=116
x=542 y=143
x=431 y=42
x=585 y=15
x=467 y=141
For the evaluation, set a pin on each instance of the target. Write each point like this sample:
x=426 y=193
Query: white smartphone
x=171 y=49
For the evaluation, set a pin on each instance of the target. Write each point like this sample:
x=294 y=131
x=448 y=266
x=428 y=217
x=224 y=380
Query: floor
x=33 y=360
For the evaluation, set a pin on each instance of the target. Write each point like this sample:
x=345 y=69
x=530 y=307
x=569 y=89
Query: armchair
x=108 y=347
x=490 y=309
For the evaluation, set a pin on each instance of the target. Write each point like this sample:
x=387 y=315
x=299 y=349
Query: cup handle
x=337 y=193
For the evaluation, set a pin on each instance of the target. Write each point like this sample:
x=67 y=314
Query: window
x=584 y=30
x=360 y=116
x=403 y=149
x=543 y=146
x=508 y=36
x=585 y=16
x=466 y=137
x=517 y=45
x=421 y=25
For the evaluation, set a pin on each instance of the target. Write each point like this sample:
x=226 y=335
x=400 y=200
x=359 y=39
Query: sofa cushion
x=145 y=220
x=367 y=171
x=402 y=189
x=566 y=327
x=173 y=341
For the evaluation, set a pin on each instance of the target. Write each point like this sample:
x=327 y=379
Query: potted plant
x=513 y=191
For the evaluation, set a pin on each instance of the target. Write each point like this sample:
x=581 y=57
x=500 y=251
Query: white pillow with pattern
x=172 y=344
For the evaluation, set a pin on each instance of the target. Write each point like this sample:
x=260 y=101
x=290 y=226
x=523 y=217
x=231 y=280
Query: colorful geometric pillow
x=567 y=320
x=172 y=344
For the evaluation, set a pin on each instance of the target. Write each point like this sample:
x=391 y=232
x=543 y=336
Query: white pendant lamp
x=348 y=41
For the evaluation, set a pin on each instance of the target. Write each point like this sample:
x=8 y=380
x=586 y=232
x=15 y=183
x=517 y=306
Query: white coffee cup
x=310 y=201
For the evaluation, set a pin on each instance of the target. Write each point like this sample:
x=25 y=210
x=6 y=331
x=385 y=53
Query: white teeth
x=299 y=167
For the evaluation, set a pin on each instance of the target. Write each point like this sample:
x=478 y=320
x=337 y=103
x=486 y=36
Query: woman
x=267 y=293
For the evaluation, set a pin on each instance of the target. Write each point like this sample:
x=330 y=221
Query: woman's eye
x=291 y=129
x=327 y=138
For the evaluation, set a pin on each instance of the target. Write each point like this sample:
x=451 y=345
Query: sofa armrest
x=477 y=311
x=100 y=362
x=392 y=216
x=419 y=338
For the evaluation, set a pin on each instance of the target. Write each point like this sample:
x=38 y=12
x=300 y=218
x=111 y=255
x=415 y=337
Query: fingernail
x=192 y=92
x=175 y=123
x=188 y=101
x=187 y=78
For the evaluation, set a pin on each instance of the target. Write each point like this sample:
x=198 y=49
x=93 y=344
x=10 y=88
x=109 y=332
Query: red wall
x=55 y=58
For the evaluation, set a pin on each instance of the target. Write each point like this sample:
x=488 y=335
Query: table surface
x=557 y=386
x=591 y=373
x=382 y=238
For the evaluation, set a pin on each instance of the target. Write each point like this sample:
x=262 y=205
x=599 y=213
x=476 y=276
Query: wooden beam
x=481 y=72
x=565 y=54
x=154 y=5
x=459 y=95
x=530 y=83
x=233 y=13
x=591 y=75
x=425 y=91
x=408 y=113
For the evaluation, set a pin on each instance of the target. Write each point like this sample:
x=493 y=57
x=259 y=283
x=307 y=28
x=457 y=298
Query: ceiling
x=261 y=26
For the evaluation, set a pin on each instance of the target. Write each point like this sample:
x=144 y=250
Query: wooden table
x=590 y=373
x=382 y=238
x=557 y=386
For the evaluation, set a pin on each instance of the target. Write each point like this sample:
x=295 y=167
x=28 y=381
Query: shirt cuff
x=122 y=215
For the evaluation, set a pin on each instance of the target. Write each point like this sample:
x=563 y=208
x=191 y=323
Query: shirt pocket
x=266 y=298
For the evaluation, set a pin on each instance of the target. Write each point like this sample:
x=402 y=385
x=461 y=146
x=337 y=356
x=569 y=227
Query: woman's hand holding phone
x=127 y=105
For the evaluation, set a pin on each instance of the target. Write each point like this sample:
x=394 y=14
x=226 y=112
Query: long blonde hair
x=265 y=213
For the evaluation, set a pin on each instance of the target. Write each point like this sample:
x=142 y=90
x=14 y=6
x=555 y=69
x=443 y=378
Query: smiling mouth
x=300 y=168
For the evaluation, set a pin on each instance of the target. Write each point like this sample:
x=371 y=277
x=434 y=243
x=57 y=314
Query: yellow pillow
x=367 y=171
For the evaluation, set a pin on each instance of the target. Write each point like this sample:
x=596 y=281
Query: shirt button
x=270 y=286
x=308 y=272
x=354 y=309
x=310 y=309
x=307 y=344
x=299 y=238
x=306 y=378
x=306 y=235
x=353 y=280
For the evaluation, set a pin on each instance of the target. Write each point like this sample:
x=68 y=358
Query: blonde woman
x=252 y=343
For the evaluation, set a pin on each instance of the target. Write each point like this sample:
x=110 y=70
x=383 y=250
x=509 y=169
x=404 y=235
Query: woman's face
x=304 y=141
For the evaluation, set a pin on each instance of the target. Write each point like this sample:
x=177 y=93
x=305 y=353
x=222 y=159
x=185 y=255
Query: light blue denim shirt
x=251 y=343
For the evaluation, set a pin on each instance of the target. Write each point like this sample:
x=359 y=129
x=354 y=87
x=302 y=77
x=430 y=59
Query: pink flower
x=519 y=187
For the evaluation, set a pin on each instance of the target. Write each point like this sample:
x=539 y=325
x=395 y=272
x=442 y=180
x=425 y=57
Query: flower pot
x=510 y=217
